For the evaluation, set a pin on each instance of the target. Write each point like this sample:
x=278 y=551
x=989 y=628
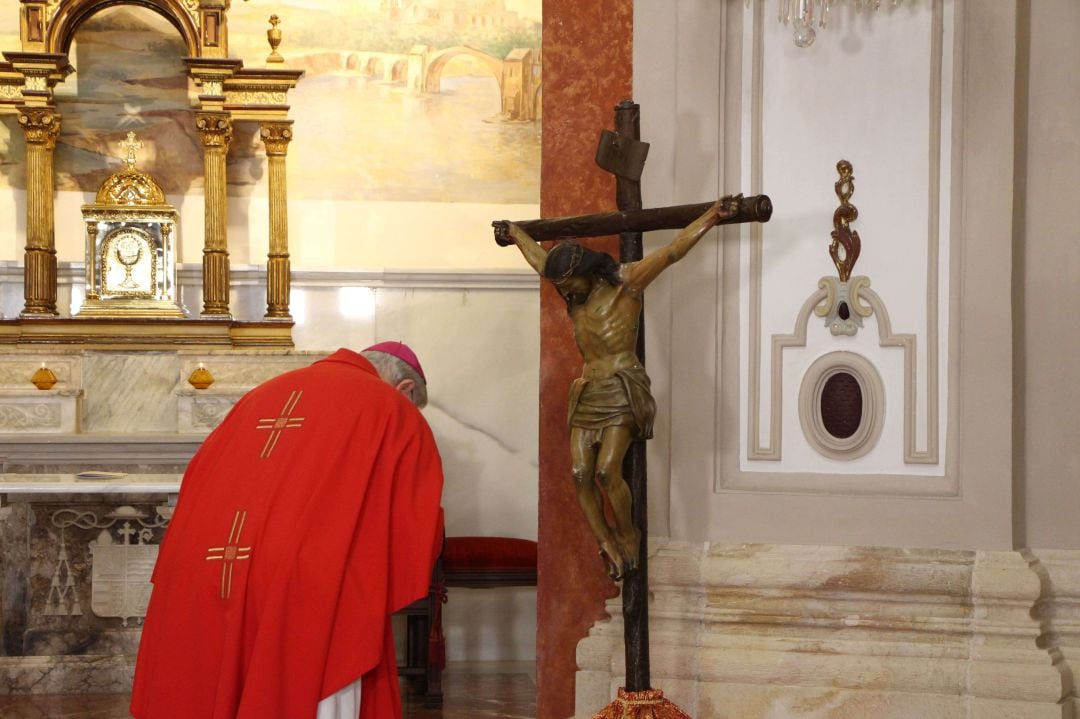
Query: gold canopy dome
x=130 y=187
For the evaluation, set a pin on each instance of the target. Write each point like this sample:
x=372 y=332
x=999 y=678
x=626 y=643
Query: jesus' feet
x=614 y=562
x=630 y=547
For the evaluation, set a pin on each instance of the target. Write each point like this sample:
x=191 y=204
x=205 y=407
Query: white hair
x=394 y=369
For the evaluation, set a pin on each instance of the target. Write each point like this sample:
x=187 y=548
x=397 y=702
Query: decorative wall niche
x=842 y=405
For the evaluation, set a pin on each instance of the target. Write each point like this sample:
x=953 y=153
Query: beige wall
x=1047 y=274
x=701 y=144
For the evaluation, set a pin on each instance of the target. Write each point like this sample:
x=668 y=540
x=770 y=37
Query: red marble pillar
x=587 y=57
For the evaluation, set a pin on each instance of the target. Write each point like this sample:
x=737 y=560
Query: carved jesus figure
x=610 y=404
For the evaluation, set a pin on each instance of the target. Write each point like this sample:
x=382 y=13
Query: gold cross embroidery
x=231 y=553
x=277 y=425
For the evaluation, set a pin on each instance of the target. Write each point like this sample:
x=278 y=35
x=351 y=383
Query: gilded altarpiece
x=130 y=228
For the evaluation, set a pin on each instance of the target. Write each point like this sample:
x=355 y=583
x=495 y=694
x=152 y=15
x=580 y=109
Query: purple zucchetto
x=401 y=351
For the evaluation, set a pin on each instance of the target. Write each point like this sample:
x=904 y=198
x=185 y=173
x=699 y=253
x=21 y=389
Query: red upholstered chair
x=473 y=562
x=480 y=562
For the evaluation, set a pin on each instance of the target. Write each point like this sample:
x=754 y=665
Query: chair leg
x=416 y=633
x=436 y=645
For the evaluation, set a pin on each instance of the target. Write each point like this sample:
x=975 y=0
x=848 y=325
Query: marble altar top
x=74 y=484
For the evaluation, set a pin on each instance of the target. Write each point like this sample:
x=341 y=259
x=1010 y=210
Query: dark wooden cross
x=623 y=154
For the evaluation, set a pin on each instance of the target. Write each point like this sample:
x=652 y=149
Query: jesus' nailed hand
x=610 y=404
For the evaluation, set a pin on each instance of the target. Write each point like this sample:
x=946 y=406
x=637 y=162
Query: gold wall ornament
x=273 y=36
x=43 y=378
x=191 y=7
x=201 y=378
x=846 y=245
x=50 y=9
x=843 y=307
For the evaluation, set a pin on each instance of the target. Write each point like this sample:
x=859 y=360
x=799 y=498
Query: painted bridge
x=421 y=70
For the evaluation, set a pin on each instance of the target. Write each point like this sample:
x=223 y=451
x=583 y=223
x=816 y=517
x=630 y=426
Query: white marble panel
x=480 y=350
x=130 y=392
x=329 y=317
x=198 y=411
x=88 y=451
x=118 y=483
x=239 y=371
x=234 y=373
x=36 y=411
x=18 y=366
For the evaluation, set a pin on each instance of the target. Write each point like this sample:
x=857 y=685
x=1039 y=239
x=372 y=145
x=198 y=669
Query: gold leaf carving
x=130 y=187
x=215 y=128
x=255 y=97
x=41 y=125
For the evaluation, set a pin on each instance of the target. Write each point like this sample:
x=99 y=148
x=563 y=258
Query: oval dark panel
x=841 y=405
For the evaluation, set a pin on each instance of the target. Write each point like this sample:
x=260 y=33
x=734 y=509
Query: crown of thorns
x=575 y=259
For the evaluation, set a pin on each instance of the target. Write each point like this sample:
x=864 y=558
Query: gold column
x=42 y=126
x=276 y=136
x=91 y=260
x=216 y=131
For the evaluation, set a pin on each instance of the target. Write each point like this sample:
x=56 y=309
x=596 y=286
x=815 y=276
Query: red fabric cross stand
x=649 y=704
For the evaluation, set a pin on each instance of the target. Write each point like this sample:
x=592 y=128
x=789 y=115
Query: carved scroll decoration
x=843 y=308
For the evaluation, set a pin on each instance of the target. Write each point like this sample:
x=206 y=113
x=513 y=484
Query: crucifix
x=611 y=408
x=131 y=146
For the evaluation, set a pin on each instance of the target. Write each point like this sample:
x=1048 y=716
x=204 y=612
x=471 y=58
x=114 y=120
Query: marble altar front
x=90 y=472
x=75 y=577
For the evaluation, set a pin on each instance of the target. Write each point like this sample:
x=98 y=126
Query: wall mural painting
x=406 y=100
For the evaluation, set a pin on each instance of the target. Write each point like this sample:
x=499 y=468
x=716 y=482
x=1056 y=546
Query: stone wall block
x=838 y=632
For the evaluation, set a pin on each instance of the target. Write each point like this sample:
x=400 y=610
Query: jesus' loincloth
x=621 y=400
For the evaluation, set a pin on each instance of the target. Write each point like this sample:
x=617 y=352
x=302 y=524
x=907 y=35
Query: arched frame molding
x=63 y=25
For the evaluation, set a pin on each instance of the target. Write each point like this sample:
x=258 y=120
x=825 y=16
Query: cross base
x=648 y=704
